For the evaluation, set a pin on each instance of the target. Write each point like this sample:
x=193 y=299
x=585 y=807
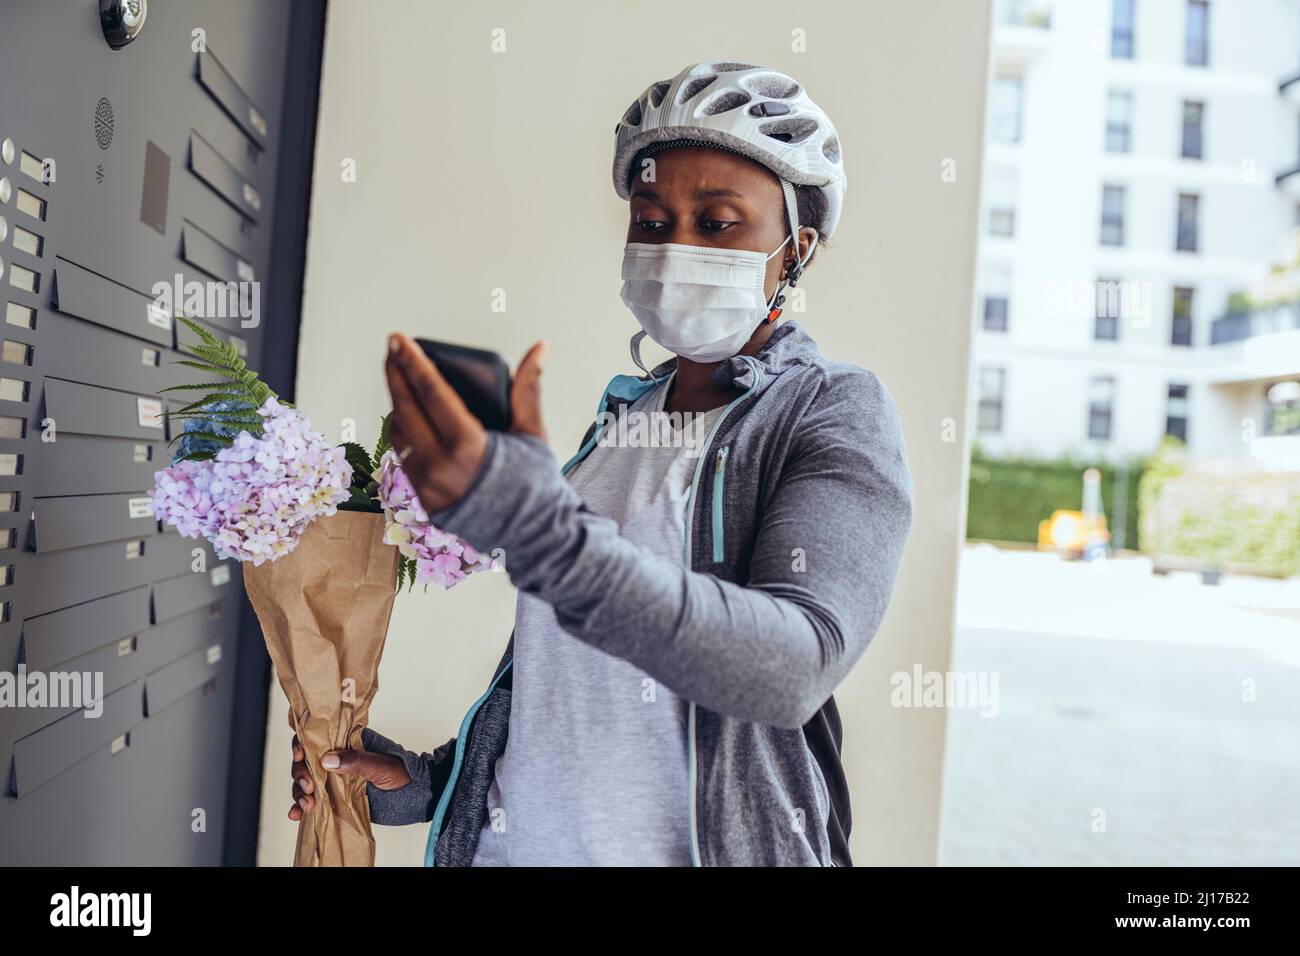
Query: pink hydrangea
x=255 y=498
x=440 y=557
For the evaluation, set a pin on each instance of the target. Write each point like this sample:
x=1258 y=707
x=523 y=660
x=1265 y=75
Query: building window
x=1180 y=332
x=1101 y=406
x=992 y=382
x=1002 y=221
x=1198 y=32
x=1283 y=413
x=1188 y=207
x=995 y=313
x=1112 y=216
x=1121 y=30
x=1110 y=305
x=1193 y=113
x=1119 y=118
x=1008 y=99
x=1026 y=13
x=1176 y=412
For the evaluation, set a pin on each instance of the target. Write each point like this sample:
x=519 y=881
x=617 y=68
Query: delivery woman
x=685 y=608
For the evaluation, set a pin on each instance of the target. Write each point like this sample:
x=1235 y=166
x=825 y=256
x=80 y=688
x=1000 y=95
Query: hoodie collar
x=788 y=345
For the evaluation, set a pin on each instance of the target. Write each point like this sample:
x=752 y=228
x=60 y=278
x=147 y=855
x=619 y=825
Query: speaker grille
x=104 y=123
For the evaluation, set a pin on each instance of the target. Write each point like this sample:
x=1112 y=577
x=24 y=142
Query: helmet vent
x=695 y=86
x=775 y=85
x=831 y=149
x=658 y=91
x=725 y=102
x=633 y=115
x=793 y=130
x=732 y=67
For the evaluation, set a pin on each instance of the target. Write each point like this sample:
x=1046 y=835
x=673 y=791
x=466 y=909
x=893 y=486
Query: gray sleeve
x=770 y=652
x=415 y=802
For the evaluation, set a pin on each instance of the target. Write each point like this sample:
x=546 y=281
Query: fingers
x=385 y=771
x=441 y=442
x=442 y=408
x=349 y=761
x=526 y=394
x=303 y=788
x=302 y=802
x=409 y=420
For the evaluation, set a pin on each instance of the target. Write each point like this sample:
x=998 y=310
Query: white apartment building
x=1140 y=167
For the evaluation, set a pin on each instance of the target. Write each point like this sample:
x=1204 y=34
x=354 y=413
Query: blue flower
x=191 y=444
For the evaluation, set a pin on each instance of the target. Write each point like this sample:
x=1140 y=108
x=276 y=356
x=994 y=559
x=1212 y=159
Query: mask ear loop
x=792 y=274
x=635 y=345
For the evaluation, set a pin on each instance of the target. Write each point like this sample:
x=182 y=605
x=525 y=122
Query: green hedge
x=1248 y=522
x=1009 y=496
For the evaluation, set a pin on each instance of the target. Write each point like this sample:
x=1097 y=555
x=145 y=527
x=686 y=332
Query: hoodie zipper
x=462 y=739
x=691 y=755
x=719 y=481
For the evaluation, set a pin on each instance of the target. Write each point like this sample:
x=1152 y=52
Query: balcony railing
x=1239 y=326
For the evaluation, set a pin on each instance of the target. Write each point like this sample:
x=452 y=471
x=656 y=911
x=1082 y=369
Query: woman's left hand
x=442 y=441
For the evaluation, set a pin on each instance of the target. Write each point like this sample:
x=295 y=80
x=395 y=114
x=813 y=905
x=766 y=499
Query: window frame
x=1199 y=129
x=1116 y=128
x=1123 y=35
x=1099 y=411
x=1196 y=49
x=1187 y=229
x=1115 y=222
x=995 y=404
x=1100 y=316
x=1177 y=318
x=1005 y=317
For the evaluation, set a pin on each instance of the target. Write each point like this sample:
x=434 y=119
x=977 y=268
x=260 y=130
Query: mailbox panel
x=173 y=172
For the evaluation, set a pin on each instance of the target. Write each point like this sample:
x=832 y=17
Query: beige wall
x=479 y=171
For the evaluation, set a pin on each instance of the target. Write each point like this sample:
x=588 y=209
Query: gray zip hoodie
x=800 y=506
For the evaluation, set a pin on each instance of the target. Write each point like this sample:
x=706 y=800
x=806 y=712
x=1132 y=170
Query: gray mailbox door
x=154 y=161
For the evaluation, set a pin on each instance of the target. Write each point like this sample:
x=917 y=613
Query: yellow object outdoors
x=1072 y=532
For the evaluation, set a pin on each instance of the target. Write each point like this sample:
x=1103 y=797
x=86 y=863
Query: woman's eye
x=649 y=225
x=716 y=225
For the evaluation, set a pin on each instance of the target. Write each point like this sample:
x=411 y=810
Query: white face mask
x=698 y=302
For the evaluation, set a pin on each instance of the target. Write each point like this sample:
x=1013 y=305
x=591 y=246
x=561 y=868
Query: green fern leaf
x=212 y=399
x=219 y=439
x=201 y=386
x=202 y=366
x=198 y=330
x=381 y=446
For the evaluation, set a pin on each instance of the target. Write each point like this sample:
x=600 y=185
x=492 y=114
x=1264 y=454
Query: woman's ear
x=807 y=235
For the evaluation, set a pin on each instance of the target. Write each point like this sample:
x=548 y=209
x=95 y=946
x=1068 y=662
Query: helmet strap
x=793 y=272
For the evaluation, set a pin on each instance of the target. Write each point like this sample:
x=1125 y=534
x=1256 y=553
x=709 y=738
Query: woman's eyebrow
x=718 y=194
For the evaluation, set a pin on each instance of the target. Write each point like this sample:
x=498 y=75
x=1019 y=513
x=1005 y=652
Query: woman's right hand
x=383 y=770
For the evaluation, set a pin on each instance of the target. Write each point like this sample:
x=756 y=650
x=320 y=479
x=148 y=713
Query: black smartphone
x=480 y=377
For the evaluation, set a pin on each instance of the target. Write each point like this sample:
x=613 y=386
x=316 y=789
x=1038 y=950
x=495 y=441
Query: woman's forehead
x=690 y=169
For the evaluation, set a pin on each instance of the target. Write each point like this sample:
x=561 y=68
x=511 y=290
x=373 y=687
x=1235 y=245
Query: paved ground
x=1124 y=703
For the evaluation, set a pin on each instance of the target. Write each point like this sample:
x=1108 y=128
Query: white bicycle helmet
x=751 y=110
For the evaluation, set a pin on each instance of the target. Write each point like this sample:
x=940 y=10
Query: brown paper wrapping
x=324 y=610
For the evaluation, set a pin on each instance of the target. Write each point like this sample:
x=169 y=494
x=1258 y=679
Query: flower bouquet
x=328 y=535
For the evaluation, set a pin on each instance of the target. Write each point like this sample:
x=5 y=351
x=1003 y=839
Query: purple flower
x=255 y=498
x=440 y=557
